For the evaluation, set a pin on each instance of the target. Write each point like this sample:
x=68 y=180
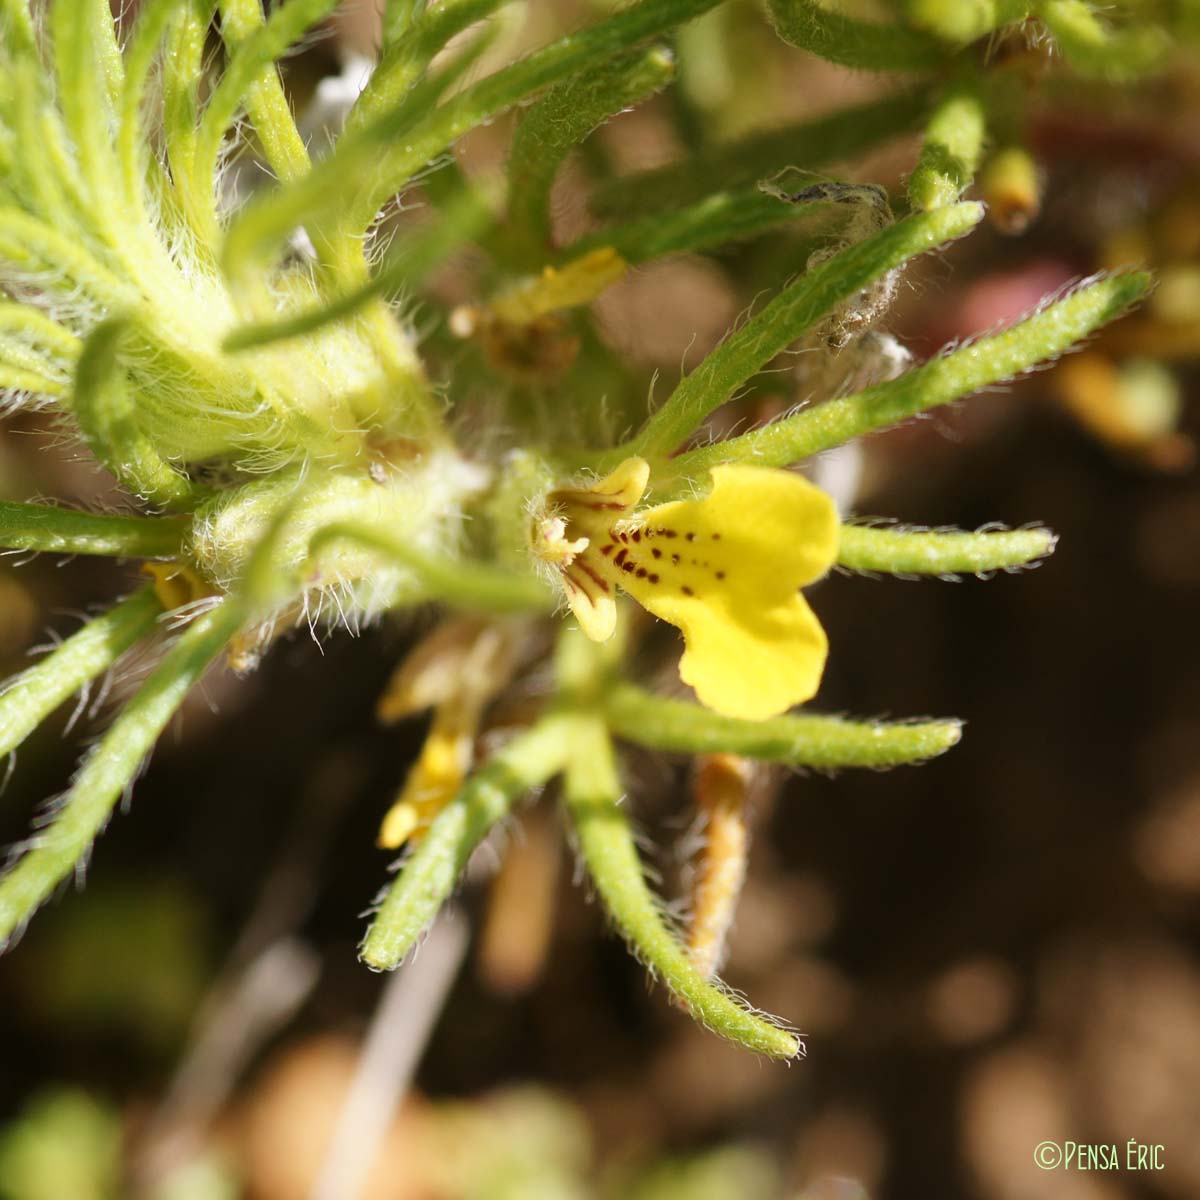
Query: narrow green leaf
x=400 y=20
x=837 y=137
x=32 y=245
x=108 y=420
x=712 y=222
x=432 y=870
x=29 y=698
x=109 y=769
x=390 y=149
x=919 y=552
x=90 y=75
x=27 y=322
x=1050 y=332
x=419 y=35
x=1095 y=48
x=606 y=844
x=132 y=138
x=799 y=741
x=951 y=151
x=42 y=171
x=17 y=378
x=862 y=45
x=405 y=269
x=251 y=78
x=562 y=119
x=796 y=309
x=48 y=530
x=16 y=23
x=182 y=71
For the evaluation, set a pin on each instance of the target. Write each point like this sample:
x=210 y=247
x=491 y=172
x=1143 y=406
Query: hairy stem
x=109 y=769
x=862 y=45
x=1045 y=335
x=606 y=843
x=791 y=313
x=30 y=697
x=48 y=530
x=429 y=875
x=911 y=552
x=951 y=151
x=802 y=741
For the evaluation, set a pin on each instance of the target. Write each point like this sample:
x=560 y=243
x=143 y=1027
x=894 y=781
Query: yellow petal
x=434 y=779
x=398 y=826
x=591 y=511
x=607 y=499
x=595 y=609
x=727 y=571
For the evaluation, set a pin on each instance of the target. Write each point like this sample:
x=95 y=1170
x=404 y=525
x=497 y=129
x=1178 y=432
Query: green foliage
x=271 y=390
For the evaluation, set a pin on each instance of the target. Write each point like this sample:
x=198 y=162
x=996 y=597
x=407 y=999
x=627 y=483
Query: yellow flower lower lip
x=725 y=569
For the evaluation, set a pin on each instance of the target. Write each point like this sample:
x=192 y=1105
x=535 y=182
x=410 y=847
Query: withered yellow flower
x=456 y=670
x=725 y=569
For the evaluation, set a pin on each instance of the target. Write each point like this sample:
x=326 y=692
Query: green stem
x=606 y=844
x=29 y=698
x=429 y=875
x=913 y=552
x=681 y=727
x=48 y=530
x=455 y=581
x=60 y=848
x=790 y=314
x=1045 y=335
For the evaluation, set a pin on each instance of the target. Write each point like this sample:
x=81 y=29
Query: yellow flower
x=725 y=569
